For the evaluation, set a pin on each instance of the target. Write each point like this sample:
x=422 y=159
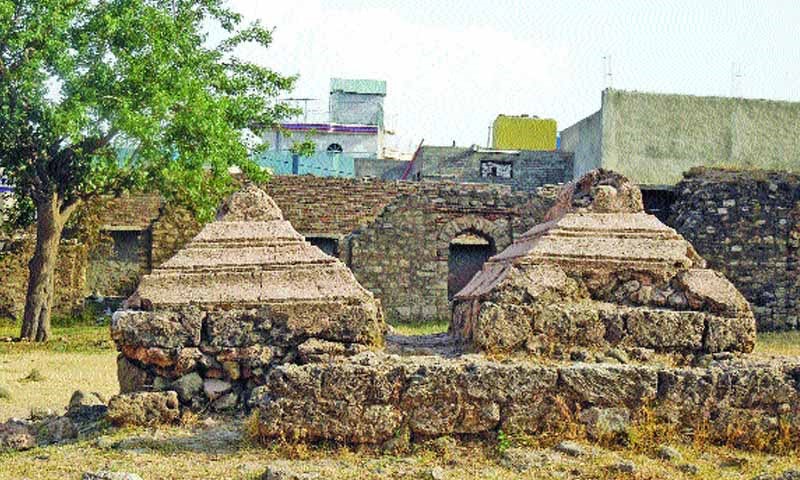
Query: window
x=496 y=169
x=335 y=148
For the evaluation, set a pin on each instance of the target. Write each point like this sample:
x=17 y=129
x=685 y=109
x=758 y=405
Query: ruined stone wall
x=170 y=232
x=373 y=398
x=745 y=224
x=402 y=257
x=69 y=280
x=332 y=206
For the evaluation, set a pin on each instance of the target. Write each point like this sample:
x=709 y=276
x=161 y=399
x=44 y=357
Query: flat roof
x=362 y=86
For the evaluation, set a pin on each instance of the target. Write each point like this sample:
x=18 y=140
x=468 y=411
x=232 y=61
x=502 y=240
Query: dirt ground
x=84 y=358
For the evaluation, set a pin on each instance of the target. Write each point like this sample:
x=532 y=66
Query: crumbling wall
x=375 y=399
x=69 y=278
x=402 y=257
x=332 y=206
x=745 y=224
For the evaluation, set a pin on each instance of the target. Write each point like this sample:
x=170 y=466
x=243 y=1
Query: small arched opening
x=467 y=253
x=335 y=148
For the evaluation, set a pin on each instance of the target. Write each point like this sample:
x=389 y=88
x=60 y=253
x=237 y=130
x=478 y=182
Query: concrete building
x=523 y=170
x=653 y=138
x=523 y=133
x=352 y=125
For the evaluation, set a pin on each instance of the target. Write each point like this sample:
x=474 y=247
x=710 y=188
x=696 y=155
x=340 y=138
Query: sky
x=452 y=66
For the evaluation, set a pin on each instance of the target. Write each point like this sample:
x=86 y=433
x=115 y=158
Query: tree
x=101 y=96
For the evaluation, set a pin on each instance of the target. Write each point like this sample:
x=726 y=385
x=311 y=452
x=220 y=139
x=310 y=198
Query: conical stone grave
x=600 y=273
x=247 y=293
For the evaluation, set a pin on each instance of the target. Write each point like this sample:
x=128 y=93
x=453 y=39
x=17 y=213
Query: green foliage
x=503 y=442
x=306 y=148
x=101 y=96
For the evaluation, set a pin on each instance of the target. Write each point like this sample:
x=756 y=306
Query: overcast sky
x=452 y=66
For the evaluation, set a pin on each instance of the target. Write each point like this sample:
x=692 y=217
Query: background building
x=351 y=128
x=653 y=138
x=523 y=133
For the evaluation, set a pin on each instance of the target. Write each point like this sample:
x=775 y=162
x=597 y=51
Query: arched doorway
x=467 y=253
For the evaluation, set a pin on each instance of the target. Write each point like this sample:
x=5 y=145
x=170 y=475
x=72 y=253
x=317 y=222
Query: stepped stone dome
x=601 y=272
x=246 y=294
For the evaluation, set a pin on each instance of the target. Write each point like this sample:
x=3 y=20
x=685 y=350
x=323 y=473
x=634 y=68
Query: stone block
x=144 y=408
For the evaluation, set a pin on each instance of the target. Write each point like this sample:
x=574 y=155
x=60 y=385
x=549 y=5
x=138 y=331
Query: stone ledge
x=369 y=397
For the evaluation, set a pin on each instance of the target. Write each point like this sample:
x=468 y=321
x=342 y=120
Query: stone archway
x=466 y=255
x=466 y=243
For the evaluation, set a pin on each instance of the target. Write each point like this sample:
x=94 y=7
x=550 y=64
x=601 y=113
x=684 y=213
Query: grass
x=221 y=451
x=421 y=328
x=45 y=375
x=778 y=343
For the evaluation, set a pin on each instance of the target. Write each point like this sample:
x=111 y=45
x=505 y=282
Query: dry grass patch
x=778 y=343
x=45 y=375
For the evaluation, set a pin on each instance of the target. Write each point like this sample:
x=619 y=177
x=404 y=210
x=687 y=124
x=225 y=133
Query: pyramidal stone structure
x=601 y=273
x=246 y=294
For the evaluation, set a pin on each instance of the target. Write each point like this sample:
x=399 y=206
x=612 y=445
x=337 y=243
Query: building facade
x=522 y=170
x=352 y=127
x=653 y=138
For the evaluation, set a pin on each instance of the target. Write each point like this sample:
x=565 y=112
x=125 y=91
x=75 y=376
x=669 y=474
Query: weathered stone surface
x=55 y=430
x=16 y=435
x=215 y=388
x=131 y=378
x=601 y=272
x=144 y=408
x=157 y=329
x=82 y=398
x=238 y=299
x=187 y=386
x=370 y=397
x=609 y=385
x=606 y=423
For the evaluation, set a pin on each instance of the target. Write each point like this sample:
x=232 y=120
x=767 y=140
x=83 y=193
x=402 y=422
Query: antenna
x=607 y=75
x=736 y=75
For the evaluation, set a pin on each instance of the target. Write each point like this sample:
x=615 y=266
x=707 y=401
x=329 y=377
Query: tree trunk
x=41 y=270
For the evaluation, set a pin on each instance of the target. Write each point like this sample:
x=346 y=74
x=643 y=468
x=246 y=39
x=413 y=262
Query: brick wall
x=745 y=224
x=332 y=206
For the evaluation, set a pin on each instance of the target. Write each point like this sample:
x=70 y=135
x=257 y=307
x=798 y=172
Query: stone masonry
x=601 y=273
x=746 y=224
x=246 y=294
x=402 y=256
x=381 y=399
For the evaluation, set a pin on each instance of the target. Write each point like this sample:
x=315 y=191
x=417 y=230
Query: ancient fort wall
x=745 y=224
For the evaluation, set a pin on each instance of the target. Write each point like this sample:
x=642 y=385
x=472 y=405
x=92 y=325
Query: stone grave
x=600 y=273
x=247 y=293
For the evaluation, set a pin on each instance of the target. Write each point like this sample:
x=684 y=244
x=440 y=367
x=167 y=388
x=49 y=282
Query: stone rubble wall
x=214 y=359
x=373 y=398
x=402 y=257
x=70 y=276
x=746 y=224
